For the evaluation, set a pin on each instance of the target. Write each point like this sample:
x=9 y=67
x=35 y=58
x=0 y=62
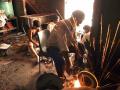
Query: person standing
x=60 y=38
x=86 y=36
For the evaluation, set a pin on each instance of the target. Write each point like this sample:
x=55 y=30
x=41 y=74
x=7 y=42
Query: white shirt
x=51 y=25
x=86 y=37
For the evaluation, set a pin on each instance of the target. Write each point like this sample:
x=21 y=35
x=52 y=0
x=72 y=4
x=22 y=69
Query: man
x=86 y=36
x=61 y=37
x=33 y=38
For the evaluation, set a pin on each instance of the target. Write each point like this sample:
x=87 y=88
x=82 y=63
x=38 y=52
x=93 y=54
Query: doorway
x=84 y=5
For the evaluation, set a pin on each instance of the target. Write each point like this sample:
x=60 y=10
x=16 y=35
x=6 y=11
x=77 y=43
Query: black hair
x=86 y=27
x=44 y=26
x=36 y=23
x=78 y=14
x=56 y=17
x=49 y=81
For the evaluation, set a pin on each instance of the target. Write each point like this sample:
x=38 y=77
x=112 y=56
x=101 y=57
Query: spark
x=101 y=33
x=106 y=76
x=105 y=46
x=109 y=61
x=110 y=85
x=105 y=69
x=115 y=37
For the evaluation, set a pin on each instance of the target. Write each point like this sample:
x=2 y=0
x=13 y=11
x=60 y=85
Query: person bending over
x=33 y=38
x=60 y=38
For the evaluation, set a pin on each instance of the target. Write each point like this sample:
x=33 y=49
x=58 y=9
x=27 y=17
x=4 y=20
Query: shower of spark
x=110 y=85
x=105 y=72
x=118 y=28
x=108 y=74
x=105 y=69
x=105 y=46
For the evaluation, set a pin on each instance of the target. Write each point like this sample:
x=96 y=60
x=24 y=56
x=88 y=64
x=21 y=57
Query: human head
x=36 y=24
x=78 y=17
x=55 y=18
x=49 y=81
x=87 y=28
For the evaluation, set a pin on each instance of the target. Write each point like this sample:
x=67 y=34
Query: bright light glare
x=77 y=84
x=84 y=5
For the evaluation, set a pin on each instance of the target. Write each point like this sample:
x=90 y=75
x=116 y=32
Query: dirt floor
x=17 y=70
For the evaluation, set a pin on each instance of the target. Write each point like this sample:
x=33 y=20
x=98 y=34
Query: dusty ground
x=17 y=74
x=16 y=69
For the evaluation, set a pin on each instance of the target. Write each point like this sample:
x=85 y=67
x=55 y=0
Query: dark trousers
x=78 y=58
x=54 y=53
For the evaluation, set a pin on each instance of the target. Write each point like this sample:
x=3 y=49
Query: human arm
x=30 y=36
x=71 y=39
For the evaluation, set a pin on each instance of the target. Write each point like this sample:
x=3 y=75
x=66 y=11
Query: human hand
x=37 y=44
